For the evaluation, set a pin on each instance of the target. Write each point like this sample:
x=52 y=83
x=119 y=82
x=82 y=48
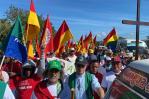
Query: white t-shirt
x=108 y=79
x=53 y=89
x=72 y=58
x=102 y=70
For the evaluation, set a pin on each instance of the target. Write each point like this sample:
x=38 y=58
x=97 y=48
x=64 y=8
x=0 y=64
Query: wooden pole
x=2 y=61
x=137 y=30
x=72 y=93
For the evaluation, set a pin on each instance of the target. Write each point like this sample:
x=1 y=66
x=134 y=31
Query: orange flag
x=62 y=36
x=47 y=37
x=33 y=27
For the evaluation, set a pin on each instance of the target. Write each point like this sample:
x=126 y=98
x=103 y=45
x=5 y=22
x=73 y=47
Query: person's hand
x=11 y=74
x=1 y=76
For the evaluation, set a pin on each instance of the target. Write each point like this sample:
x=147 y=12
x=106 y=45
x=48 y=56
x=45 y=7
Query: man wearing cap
x=5 y=91
x=81 y=83
x=111 y=75
x=51 y=87
x=90 y=54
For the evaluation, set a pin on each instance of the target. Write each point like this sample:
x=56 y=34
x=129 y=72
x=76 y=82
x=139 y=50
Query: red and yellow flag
x=47 y=37
x=33 y=27
x=30 y=52
x=88 y=40
x=62 y=36
x=93 y=44
x=80 y=46
x=38 y=50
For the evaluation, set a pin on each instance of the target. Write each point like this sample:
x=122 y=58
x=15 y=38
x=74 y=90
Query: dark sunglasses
x=80 y=65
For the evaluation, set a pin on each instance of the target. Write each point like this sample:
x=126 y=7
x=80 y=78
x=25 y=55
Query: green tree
x=12 y=13
x=4 y=28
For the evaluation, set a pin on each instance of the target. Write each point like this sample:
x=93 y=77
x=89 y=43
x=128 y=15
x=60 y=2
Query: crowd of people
x=90 y=77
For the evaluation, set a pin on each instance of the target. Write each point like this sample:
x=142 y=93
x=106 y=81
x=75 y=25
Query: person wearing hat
x=90 y=54
x=52 y=86
x=107 y=67
x=111 y=75
x=117 y=65
x=5 y=91
x=82 y=83
x=72 y=57
x=26 y=82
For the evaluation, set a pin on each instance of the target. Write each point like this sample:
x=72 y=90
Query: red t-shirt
x=12 y=67
x=25 y=86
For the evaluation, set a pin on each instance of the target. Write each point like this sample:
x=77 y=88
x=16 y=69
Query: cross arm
x=130 y=22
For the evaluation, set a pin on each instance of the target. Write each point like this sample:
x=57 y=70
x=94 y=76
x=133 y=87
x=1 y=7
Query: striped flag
x=33 y=27
x=111 y=40
x=62 y=36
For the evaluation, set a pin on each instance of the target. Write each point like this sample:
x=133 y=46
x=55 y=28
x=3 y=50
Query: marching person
x=72 y=57
x=52 y=87
x=82 y=83
x=111 y=75
x=26 y=82
x=94 y=65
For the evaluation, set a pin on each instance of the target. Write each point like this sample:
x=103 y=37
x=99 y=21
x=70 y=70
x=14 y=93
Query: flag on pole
x=111 y=40
x=88 y=40
x=62 y=36
x=14 y=46
x=33 y=27
x=47 y=37
x=93 y=44
x=38 y=50
x=94 y=40
x=30 y=52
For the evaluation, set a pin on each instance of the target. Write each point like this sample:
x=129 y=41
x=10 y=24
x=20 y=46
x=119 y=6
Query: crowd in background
x=90 y=77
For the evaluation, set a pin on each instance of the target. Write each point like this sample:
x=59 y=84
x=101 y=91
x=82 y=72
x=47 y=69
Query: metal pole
x=137 y=29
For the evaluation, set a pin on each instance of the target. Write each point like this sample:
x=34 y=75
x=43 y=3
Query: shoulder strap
x=71 y=80
x=2 y=89
x=60 y=87
x=88 y=86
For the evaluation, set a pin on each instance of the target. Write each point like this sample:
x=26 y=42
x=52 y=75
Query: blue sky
x=83 y=16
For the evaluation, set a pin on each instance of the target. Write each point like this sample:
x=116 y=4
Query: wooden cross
x=137 y=23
